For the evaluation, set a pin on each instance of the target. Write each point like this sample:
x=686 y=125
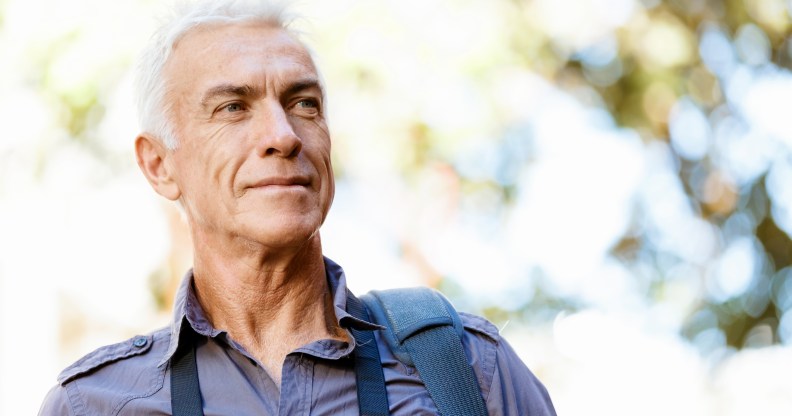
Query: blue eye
x=308 y=104
x=233 y=107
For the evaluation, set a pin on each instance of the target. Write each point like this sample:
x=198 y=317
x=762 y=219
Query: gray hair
x=153 y=110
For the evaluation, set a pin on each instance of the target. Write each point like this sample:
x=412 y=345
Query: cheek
x=318 y=153
x=330 y=193
x=326 y=168
x=205 y=174
x=329 y=177
x=316 y=146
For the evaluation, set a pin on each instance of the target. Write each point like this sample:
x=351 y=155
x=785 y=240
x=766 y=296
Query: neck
x=269 y=301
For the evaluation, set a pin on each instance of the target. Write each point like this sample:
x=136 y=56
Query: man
x=233 y=119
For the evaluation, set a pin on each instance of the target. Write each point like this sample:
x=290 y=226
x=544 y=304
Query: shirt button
x=140 y=342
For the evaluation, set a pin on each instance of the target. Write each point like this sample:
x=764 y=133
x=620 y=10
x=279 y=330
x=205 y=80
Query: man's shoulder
x=105 y=380
x=506 y=382
x=137 y=352
x=479 y=325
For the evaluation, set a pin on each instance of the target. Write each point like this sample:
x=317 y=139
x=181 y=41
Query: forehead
x=230 y=52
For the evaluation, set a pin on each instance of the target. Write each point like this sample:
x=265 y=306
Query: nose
x=277 y=136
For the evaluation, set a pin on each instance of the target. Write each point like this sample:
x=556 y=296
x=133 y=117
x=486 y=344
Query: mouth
x=282 y=182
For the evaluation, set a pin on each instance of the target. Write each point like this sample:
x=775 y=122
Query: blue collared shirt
x=133 y=377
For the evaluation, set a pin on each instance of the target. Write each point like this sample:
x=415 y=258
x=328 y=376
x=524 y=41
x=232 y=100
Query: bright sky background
x=81 y=232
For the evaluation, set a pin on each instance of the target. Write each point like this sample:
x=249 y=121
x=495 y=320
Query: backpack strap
x=424 y=331
x=185 y=388
x=372 y=396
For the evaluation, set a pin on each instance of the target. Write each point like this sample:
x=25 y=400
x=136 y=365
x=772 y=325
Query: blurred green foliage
x=639 y=92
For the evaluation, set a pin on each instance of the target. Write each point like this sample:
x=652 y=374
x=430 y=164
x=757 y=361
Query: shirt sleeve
x=56 y=403
x=515 y=389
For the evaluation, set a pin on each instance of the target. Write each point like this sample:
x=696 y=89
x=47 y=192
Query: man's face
x=253 y=160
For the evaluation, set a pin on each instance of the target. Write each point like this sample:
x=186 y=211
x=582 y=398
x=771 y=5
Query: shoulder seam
x=157 y=383
x=480 y=325
x=107 y=354
x=76 y=403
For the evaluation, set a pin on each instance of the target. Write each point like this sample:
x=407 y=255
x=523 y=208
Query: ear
x=154 y=160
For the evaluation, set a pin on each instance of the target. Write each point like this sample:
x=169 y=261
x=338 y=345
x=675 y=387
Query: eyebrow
x=248 y=91
x=229 y=90
x=302 y=85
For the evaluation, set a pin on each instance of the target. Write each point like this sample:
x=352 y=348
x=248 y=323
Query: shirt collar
x=338 y=287
x=186 y=307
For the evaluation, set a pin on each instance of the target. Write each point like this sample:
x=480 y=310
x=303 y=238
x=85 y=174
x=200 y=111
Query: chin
x=285 y=233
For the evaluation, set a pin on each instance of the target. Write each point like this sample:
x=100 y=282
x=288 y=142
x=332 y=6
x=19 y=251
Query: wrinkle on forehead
x=200 y=43
x=274 y=46
x=251 y=47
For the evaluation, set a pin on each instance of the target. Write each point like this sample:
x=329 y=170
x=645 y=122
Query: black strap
x=185 y=390
x=372 y=396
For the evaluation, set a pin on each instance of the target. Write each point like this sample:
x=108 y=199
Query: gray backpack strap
x=424 y=331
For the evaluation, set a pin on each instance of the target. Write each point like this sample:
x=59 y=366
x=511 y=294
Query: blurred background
x=607 y=181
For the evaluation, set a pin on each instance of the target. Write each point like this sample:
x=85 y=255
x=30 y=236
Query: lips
x=277 y=181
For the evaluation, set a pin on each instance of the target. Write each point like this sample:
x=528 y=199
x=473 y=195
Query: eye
x=307 y=107
x=233 y=107
x=308 y=103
